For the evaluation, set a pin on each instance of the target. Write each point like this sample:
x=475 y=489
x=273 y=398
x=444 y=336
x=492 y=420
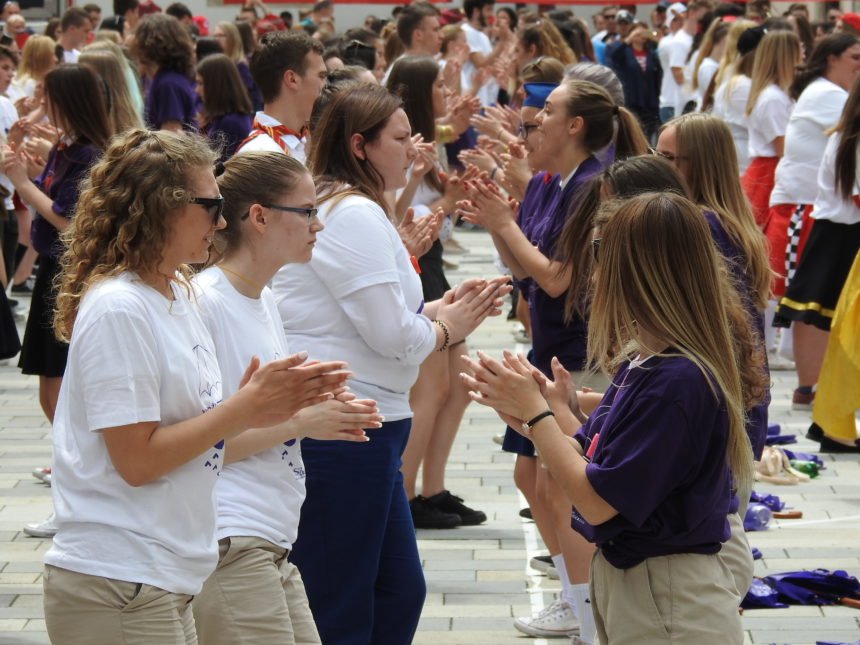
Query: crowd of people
x=234 y=240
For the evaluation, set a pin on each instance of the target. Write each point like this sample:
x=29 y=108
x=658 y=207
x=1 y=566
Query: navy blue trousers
x=356 y=548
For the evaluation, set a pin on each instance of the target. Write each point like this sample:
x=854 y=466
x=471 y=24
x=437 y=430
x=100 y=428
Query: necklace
x=248 y=282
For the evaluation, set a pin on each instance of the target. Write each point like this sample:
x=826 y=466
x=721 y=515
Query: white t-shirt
x=668 y=86
x=261 y=495
x=817 y=110
x=71 y=55
x=479 y=43
x=704 y=76
x=263 y=142
x=730 y=102
x=8 y=117
x=679 y=50
x=359 y=300
x=830 y=205
x=768 y=120
x=135 y=356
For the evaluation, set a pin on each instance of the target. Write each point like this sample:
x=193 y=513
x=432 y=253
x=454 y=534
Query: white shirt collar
x=564 y=181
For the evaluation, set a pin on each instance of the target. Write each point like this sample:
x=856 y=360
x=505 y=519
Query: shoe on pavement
x=453 y=246
x=556 y=621
x=427 y=516
x=499 y=439
x=447 y=502
x=44 y=529
x=526 y=513
x=25 y=288
x=802 y=400
x=41 y=473
x=779 y=363
x=541 y=563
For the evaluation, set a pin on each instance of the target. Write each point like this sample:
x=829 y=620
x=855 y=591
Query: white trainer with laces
x=556 y=621
x=44 y=529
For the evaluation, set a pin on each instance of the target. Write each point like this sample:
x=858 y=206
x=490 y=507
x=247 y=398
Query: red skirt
x=757 y=182
x=787 y=226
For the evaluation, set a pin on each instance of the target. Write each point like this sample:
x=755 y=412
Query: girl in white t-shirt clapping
x=140 y=427
x=270 y=210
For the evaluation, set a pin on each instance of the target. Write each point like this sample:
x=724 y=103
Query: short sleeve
x=117 y=356
x=474 y=41
x=678 y=53
x=626 y=476
x=357 y=248
x=772 y=112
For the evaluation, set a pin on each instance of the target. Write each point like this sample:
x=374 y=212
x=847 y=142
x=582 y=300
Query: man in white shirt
x=288 y=68
x=669 y=86
x=419 y=30
x=482 y=54
x=75 y=27
x=682 y=43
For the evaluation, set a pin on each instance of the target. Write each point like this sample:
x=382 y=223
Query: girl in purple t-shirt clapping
x=651 y=472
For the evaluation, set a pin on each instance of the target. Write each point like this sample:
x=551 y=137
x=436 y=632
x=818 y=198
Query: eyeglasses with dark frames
x=526 y=129
x=215 y=206
x=309 y=213
x=668 y=156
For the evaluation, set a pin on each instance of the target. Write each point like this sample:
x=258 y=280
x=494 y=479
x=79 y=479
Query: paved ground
x=478 y=578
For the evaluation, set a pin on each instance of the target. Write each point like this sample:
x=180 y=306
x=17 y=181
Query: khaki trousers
x=80 y=608
x=737 y=555
x=682 y=599
x=255 y=596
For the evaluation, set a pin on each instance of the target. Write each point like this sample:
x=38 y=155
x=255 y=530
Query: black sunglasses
x=215 y=206
x=595 y=247
x=309 y=213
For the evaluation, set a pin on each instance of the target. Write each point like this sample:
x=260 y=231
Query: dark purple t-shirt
x=660 y=461
x=250 y=86
x=60 y=180
x=230 y=130
x=551 y=334
x=539 y=190
x=171 y=97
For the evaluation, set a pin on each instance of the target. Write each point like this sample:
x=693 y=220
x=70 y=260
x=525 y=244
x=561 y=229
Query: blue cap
x=537 y=94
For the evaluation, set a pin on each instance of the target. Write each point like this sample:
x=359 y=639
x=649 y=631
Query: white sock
x=786 y=344
x=587 y=630
x=769 y=329
x=558 y=562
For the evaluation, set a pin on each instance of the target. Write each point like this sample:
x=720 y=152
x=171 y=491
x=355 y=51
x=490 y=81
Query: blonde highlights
x=123 y=217
x=709 y=161
x=683 y=300
x=776 y=60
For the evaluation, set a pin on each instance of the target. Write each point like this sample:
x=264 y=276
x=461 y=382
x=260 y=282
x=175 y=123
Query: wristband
x=493 y=173
x=528 y=426
x=447 y=342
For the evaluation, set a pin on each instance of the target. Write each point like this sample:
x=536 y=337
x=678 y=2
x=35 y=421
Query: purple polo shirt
x=660 y=462
x=551 y=335
x=229 y=130
x=171 y=97
x=539 y=190
x=60 y=180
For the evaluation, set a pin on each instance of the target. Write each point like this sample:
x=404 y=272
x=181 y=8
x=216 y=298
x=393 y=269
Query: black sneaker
x=815 y=433
x=450 y=503
x=526 y=513
x=427 y=516
x=24 y=288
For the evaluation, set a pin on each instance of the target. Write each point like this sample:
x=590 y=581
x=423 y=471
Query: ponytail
x=630 y=141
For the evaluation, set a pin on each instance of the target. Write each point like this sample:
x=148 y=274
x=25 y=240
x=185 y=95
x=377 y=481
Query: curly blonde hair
x=122 y=219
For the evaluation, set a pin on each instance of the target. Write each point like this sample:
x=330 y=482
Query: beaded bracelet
x=447 y=342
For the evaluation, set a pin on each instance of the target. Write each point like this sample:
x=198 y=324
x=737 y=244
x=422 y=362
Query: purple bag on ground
x=817 y=587
x=780 y=440
x=773 y=502
x=761 y=596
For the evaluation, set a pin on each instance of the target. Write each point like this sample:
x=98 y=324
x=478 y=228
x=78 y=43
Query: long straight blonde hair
x=717 y=33
x=776 y=60
x=233 y=46
x=709 y=164
x=731 y=53
x=121 y=109
x=683 y=299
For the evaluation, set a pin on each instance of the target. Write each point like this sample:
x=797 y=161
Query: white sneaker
x=499 y=439
x=41 y=473
x=556 y=621
x=45 y=529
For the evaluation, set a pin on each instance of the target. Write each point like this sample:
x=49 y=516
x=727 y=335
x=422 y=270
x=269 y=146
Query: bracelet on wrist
x=493 y=173
x=446 y=343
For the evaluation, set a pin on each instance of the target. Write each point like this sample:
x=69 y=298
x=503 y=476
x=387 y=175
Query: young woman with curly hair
x=163 y=48
x=140 y=429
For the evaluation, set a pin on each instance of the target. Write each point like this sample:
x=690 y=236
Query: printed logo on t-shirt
x=298 y=469
x=214 y=460
x=208 y=378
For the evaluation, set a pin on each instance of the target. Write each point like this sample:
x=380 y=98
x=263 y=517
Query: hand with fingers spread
x=506 y=386
x=419 y=234
x=487 y=207
x=274 y=392
x=464 y=314
x=481 y=159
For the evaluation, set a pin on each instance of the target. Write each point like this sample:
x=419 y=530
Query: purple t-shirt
x=60 y=180
x=539 y=190
x=551 y=334
x=660 y=461
x=171 y=97
x=756 y=425
x=250 y=85
x=229 y=130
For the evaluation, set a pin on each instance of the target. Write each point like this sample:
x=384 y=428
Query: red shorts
x=757 y=182
x=787 y=226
